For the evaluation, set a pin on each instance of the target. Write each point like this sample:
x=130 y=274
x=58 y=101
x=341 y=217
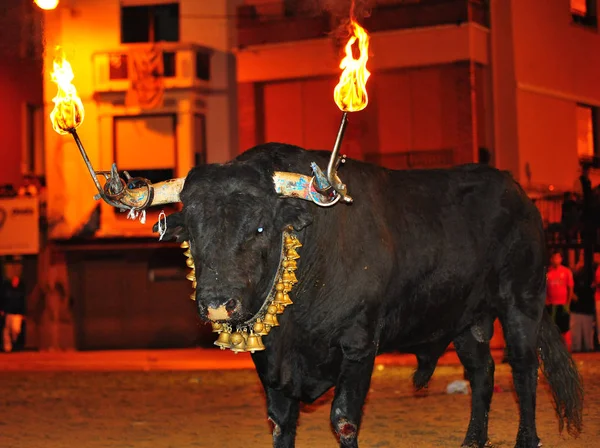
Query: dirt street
x=218 y=409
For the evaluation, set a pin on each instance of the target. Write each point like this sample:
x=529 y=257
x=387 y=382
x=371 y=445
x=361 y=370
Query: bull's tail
x=562 y=376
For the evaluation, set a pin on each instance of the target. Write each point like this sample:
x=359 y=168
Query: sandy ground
x=175 y=399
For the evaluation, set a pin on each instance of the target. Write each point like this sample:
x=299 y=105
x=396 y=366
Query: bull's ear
x=293 y=212
x=175 y=228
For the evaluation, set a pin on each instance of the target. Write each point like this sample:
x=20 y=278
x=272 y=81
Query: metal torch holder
x=134 y=193
x=331 y=185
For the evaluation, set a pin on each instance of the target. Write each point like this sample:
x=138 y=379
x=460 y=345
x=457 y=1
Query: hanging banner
x=19 y=226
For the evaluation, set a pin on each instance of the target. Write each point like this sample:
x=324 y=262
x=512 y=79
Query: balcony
x=276 y=23
x=184 y=66
x=426 y=13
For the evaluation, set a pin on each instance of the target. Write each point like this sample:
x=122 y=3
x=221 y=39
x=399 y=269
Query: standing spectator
x=12 y=291
x=582 y=312
x=559 y=292
x=570 y=217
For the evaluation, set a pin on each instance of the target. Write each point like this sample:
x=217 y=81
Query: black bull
x=420 y=260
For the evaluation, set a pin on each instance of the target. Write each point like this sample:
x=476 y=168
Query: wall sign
x=19 y=226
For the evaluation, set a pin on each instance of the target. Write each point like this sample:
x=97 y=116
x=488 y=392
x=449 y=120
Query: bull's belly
x=435 y=324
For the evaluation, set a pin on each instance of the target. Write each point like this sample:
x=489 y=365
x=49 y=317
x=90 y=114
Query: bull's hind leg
x=350 y=394
x=521 y=333
x=473 y=349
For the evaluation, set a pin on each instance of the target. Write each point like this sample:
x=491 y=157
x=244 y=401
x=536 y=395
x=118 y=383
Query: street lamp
x=46 y=4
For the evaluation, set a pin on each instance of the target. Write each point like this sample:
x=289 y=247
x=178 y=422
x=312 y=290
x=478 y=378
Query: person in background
x=559 y=293
x=570 y=217
x=582 y=311
x=596 y=286
x=12 y=292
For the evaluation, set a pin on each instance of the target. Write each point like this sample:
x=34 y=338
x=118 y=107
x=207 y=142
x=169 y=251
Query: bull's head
x=233 y=216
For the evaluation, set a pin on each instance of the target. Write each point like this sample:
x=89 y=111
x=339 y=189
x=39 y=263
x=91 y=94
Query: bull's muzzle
x=222 y=312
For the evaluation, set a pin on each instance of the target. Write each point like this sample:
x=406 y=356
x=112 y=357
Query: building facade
x=511 y=82
x=170 y=84
x=158 y=83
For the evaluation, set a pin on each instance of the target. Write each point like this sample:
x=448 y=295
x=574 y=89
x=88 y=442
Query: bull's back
x=446 y=228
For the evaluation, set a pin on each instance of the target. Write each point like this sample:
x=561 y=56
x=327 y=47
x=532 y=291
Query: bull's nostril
x=230 y=305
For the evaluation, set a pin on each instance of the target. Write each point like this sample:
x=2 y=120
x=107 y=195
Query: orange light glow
x=68 y=109
x=46 y=4
x=350 y=94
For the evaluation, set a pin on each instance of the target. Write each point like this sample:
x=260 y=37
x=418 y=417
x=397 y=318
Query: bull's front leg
x=350 y=394
x=283 y=416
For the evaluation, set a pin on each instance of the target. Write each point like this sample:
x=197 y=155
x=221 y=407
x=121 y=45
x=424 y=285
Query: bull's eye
x=260 y=230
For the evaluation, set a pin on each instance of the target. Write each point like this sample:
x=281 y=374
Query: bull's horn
x=166 y=192
x=294 y=185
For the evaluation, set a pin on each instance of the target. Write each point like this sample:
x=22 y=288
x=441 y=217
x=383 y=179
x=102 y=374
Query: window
x=199 y=140
x=584 y=12
x=154 y=133
x=586 y=117
x=202 y=65
x=33 y=150
x=146 y=146
x=153 y=23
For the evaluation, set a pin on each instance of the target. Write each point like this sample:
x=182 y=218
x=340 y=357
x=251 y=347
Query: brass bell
x=289 y=277
x=224 y=340
x=238 y=344
x=217 y=327
x=185 y=245
x=194 y=284
x=296 y=243
x=190 y=262
x=254 y=343
x=260 y=328
x=191 y=276
x=280 y=308
x=278 y=298
x=292 y=254
x=279 y=287
x=237 y=338
x=287 y=286
x=283 y=300
x=188 y=253
x=290 y=265
x=193 y=296
x=270 y=317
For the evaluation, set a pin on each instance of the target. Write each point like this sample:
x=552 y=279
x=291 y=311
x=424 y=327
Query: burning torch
x=132 y=194
x=350 y=95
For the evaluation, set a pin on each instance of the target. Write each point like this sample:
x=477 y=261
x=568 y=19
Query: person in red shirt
x=559 y=292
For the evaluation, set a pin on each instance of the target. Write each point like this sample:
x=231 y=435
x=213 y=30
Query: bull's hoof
x=487 y=444
x=539 y=445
